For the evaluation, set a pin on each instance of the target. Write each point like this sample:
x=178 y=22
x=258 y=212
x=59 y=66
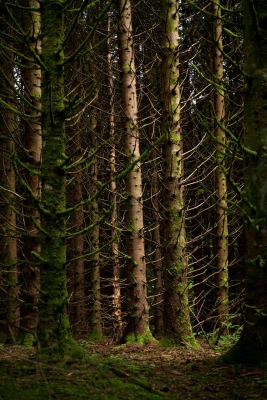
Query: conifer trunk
x=8 y=241
x=32 y=144
x=252 y=346
x=53 y=326
x=96 y=319
x=137 y=305
x=177 y=326
x=116 y=299
x=221 y=220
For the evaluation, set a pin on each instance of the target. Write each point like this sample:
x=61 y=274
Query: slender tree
x=177 y=326
x=116 y=300
x=96 y=320
x=221 y=223
x=8 y=241
x=32 y=146
x=137 y=305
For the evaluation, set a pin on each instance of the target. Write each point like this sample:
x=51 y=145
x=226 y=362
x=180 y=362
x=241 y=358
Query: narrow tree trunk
x=137 y=305
x=177 y=324
x=116 y=300
x=32 y=145
x=221 y=224
x=96 y=318
x=8 y=241
x=78 y=314
x=76 y=271
x=158 y=284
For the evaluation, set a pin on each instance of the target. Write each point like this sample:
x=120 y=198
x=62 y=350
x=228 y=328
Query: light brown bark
x=116 y=300
x=137 y=305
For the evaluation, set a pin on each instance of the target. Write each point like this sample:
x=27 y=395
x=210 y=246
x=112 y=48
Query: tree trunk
x=32 y=145
x=76 y=270
x=221 y=224
x=158 y=283
x=96 y=317
x=137 y=305
x=53 y=327
x=8 y=241
x=116 y=299
x=252 y=346
x=177 y=326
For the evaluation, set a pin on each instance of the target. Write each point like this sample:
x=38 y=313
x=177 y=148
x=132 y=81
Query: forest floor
x=130 y=371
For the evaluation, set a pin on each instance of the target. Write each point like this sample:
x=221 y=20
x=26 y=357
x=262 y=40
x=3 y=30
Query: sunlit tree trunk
x=137 y=305
x=32 y=146
x=221 y=224
x=8 y=241
x=252 y=346
x=177 y=326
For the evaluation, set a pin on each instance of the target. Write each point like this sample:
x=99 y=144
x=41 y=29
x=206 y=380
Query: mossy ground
x=132 y=371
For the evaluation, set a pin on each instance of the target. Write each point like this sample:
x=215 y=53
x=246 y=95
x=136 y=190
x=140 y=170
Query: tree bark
x=177 y=326
x=252 y=346
x=53 y=327
x=96 y=312
x=221 y=222
x=116 y=299
x=137 y=305
x=32 y=145
x=8 y=241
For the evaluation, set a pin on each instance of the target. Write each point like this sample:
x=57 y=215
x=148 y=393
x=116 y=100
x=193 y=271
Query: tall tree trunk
x=158 y=283
x=76 y=272
x=96 y=319
x=32 y=145
x=252 y=346
x=116 y=297
x=137 y=305
x=53 y=327
x=221 y=224
x=8 y=241
x=177 y=324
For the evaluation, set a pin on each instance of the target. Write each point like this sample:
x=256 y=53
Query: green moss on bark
x=143 y=338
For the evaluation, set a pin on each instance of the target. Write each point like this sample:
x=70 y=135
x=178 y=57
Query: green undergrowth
x=108 y=378
x=132 y=371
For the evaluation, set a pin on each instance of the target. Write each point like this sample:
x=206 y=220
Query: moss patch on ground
x=132 y=371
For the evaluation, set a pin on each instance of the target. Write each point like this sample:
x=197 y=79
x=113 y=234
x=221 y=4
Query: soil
x=130 y=371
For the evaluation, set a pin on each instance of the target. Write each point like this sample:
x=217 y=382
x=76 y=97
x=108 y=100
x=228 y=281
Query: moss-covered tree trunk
x=252 y=346
x=53 y=326
x=137 y=305
x=32 y=145
x=221 y=222
x=177 y=326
